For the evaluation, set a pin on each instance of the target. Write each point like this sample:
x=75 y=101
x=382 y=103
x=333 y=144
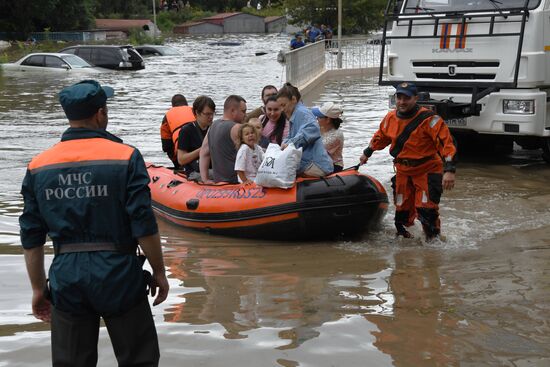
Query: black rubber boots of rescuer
x=428 y=218
x=401 y=219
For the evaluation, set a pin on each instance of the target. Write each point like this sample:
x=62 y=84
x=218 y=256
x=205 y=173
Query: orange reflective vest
x=175 y=118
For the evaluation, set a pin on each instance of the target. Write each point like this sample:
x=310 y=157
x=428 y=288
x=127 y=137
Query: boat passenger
x=179 y=115
x=328 y=117
x=192 y=135
x=424 y=161
x=275 y=125
x=304 y=133
x=250 y=154
x=267 y=91
x=263 y=142
x=219 y=144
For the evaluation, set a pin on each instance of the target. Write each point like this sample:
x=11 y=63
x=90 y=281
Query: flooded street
x=479 y=299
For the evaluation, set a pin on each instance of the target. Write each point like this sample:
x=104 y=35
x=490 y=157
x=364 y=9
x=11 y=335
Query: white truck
x=483 y=65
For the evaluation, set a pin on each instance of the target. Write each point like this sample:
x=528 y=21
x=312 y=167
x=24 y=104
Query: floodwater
x=481 y=298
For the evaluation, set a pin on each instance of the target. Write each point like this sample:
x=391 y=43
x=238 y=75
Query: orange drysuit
x=419 y=164
x=174 y=119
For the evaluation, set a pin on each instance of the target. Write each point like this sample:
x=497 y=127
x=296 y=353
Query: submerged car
x=157 y=50
x=50 y=62
x=109 y=56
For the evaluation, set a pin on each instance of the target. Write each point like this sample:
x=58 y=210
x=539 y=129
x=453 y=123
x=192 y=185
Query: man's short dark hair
x=179 y=100
x=233 y=101
x=201 y=102
x=268 y=87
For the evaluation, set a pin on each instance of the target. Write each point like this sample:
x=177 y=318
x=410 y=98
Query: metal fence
x=307 y=63
x=356 y=53
x=48 y=36
x=58 y=36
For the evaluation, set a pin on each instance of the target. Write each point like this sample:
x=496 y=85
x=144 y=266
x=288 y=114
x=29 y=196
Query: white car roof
x=48 y=54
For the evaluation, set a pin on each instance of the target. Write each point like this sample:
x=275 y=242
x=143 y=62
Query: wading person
x=177 y=116
x=424 y=159
x=89 y=193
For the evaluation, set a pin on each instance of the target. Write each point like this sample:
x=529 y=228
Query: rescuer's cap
x=406 y=88
x=83 y=99
x=328 y=109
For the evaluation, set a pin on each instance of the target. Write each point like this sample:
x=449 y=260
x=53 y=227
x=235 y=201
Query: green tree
x=358 y=16
x=25 y=16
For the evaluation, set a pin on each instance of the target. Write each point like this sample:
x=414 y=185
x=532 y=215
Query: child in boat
x=257 y=124
x=250 y=154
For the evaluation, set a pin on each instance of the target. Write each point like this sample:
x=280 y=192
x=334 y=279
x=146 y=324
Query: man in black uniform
x=89 y=193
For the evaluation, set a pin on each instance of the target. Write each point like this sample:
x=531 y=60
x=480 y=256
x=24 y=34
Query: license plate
x=460 y=121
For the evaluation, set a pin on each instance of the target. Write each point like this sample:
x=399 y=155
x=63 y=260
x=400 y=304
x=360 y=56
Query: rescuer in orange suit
x=177 y=116
x=424 y=159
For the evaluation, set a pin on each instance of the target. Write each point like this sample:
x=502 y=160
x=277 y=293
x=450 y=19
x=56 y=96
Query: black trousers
x=133 y=336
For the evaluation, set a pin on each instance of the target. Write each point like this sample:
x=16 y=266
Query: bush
x=138 y=37
x=167 y=20
x=265 y=12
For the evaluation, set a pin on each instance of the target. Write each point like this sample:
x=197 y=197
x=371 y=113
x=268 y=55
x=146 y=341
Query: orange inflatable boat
x=347 y=203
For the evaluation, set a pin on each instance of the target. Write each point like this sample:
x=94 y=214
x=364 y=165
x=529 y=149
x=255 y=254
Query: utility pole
x=154 y=19
x=339 y=57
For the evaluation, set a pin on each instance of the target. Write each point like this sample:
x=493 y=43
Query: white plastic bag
x=278 y=169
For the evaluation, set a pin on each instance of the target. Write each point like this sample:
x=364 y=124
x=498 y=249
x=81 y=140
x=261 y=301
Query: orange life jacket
x=176 y=117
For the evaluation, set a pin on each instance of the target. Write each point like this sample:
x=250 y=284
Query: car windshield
x=76 y=62
x=167 y=50
x=437 y=6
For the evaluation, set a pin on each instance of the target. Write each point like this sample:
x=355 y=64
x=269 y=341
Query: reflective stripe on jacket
x=431 y=138
x=88 y=188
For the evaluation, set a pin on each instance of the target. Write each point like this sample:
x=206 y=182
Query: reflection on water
x=246 y=288
x=411 y=333
x=377 y=300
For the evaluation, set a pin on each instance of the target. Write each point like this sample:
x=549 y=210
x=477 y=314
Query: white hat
x=328 y=109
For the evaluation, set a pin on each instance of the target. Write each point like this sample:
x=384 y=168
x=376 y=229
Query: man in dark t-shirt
x=192 y=135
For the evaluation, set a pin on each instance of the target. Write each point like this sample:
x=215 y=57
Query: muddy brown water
x=479 y=298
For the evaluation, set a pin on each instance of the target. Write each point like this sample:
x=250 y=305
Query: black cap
x=83 y=99
x=408 y=89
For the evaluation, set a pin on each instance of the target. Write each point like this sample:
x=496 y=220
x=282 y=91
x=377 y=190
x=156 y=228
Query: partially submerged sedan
x=50 y=63
x=157 y=50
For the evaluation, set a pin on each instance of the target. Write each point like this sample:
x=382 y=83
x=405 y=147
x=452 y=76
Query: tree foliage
x=25 y=16
x=358 y=16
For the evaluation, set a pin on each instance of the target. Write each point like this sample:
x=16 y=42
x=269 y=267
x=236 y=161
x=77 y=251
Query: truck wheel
x=546 y=150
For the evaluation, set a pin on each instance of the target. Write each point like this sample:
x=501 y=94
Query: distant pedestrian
x=297 y=42
x=89 y=194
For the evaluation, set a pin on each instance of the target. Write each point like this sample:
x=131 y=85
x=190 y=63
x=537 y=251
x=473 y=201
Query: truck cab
x=483 y=65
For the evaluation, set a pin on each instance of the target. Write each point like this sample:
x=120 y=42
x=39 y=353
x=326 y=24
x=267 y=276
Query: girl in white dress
x=250 y=154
